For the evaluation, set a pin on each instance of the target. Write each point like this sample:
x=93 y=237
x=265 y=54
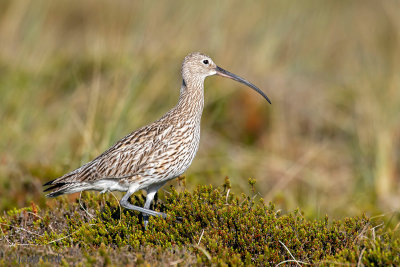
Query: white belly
x=109 y=185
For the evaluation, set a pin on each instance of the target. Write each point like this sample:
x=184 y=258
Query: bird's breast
x=180 y=150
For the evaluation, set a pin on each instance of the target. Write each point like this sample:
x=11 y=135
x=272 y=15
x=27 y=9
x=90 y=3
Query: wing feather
x=128 y=157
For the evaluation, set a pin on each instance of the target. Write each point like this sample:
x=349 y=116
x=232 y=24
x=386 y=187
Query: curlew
x=154 y=154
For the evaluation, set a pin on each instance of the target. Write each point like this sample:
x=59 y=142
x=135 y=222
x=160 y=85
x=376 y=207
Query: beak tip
x=224 y=73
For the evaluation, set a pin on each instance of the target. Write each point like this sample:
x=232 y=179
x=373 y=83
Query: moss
x=207 y=226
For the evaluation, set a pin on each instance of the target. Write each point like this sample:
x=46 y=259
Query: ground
x=205 y=227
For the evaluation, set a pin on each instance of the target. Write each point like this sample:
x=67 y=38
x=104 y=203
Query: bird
x=154 y=154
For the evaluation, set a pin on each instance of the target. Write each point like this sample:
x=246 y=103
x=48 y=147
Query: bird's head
x=197 y=66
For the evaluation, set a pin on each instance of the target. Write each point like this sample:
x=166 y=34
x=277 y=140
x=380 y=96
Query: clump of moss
x=208 y=226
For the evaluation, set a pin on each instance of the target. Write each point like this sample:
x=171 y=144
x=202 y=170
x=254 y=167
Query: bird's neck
x=191 y=99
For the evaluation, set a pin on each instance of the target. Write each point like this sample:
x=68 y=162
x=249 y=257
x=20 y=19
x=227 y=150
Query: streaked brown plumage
x=150 y=156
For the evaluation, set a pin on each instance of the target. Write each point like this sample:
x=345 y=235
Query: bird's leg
x=125 y=203
x=151 y=192
x=149 y=199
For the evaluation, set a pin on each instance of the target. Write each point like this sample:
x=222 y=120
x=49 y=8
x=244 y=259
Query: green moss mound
x=207 y=226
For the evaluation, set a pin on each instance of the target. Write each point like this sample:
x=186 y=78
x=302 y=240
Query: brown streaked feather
x=153 y=154
x=133 y=155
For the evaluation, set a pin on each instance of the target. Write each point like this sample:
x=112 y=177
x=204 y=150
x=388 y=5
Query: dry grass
x=77 y=76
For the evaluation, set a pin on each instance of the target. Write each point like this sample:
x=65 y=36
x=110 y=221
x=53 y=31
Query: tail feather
x=59 y=189
x=65 y=188
x=71 y=182
x=55 y=186
x=56 y=193
x=48 y=183
x=61 y=185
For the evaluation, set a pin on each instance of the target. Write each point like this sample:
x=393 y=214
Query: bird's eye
x=205 y=61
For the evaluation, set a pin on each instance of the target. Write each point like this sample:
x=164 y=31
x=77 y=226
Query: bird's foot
x=147 y=216
x=145 y=220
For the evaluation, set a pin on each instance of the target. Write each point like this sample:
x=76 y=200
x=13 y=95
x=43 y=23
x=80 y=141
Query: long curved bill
x=225 y=73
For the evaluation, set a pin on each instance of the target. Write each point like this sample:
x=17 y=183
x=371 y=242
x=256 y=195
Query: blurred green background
x=76 y=76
